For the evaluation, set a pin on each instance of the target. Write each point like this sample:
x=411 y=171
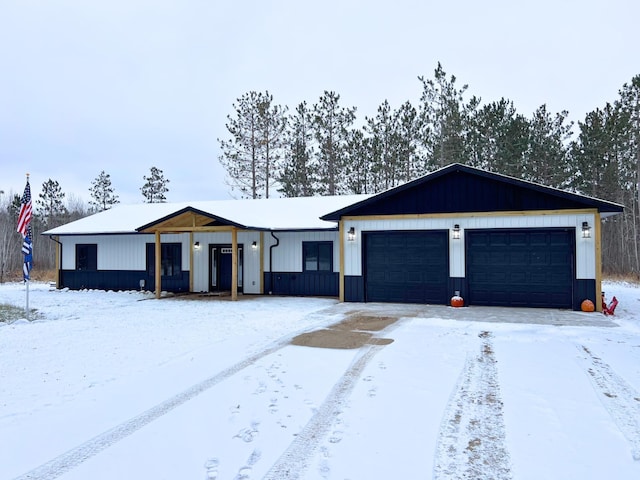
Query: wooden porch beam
x=189 y=229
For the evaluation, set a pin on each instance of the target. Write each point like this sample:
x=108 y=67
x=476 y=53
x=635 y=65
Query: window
x=170 y=259
x=317 y=256
x=87 y=256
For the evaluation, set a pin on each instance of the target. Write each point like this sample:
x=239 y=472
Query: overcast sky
x=124 y=85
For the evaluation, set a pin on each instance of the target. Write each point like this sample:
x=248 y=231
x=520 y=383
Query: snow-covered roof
x=301 y=213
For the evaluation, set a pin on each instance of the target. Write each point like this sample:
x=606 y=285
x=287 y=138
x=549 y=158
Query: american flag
x=24 y=218
x=24 y=227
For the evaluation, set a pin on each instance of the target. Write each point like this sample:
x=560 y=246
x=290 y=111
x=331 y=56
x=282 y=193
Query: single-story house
x=492 y=239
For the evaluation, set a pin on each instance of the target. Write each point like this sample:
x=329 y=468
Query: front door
x=220 y=268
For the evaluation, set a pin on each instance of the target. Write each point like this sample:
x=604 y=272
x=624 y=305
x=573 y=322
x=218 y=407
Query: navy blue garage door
x=521 y=268
x=406 y=267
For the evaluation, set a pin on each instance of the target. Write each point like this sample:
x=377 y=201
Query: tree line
x=53 y=208
x=320 y=149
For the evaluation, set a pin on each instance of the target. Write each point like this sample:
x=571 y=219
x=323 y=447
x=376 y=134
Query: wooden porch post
x=58 y=259
x=191 y=247
x=341 y=259
x=158 y=255
x=261 y=253
x=234 y=263
x=597 y=234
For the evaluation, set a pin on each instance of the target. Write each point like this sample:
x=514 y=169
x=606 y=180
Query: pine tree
x=629 y=104
x=51 y=209
x=546 y=160
x=383 y=143
x=359 y=175
x=499 y=138
x=445 y=118
x=331 y=126
x=102 y=193
x=408 y=129
x=273 y=124
x=252 y=155
x=593 y=160
x=155 y=187
x=628 y=150
x=299 y=172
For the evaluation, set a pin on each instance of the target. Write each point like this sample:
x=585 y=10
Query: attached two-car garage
x=522 y=267
x=497 y=240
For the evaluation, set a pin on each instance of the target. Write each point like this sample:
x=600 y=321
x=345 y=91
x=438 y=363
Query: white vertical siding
x=251 y=264
x=585 y=248
x=287 y=256
x=115 y=252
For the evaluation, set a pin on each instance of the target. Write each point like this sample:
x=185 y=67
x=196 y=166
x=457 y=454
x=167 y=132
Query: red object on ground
x=611 y=308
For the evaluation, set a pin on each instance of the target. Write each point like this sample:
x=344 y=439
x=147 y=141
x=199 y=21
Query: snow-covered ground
x=106 y=385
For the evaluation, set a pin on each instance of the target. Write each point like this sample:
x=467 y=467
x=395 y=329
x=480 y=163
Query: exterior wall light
x=351 y=234
x=456 y=232
x=196 y=246
x=254 y=246
x=586 y=230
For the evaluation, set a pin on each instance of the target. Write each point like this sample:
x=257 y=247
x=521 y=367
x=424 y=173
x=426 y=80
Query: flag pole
x=27 y=303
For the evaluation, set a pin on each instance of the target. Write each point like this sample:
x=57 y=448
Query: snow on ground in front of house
x=107 y=385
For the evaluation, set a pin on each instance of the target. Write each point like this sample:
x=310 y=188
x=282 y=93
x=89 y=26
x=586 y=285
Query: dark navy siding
x=459 y=188
x=585 y=289
x=458 y=284
x=461 y=192
x=353 y=288
x=302 y=283
x=120 y=280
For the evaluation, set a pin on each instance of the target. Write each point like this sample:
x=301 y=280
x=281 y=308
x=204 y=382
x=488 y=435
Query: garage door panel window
x=518 y=240
x=539 y=258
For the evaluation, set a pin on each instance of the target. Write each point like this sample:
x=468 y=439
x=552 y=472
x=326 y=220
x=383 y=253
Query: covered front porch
x=209 y=254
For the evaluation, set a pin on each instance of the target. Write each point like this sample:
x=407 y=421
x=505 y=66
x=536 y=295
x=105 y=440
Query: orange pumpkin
x=587 y=306
x=457 y=301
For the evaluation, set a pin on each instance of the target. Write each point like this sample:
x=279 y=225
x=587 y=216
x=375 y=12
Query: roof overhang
x=189 y=219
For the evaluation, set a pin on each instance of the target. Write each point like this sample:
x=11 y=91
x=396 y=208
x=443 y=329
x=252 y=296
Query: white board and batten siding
x=585 y=247
x=287 y=256
x=128 y=252
x=251 y=263
x=120 y=252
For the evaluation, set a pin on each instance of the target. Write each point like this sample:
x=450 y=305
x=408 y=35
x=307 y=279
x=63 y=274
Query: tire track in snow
x=620 y=399
x=472 y=443
x=296 y=459
x=74 y=457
